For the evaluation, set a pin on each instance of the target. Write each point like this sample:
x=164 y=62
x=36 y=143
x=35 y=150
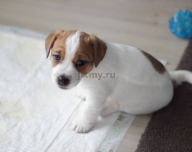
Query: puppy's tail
x=180 y=76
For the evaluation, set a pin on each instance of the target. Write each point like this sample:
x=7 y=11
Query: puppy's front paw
x=81 y=126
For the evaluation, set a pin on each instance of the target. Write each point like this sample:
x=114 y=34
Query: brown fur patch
x=99 y=49
x=174 y=82
x=85 y=53
x=56 y=42
x=50 y=41
x=92 y=50
x=156 y=64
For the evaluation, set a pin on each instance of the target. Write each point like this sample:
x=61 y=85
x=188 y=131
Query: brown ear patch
x=99 y=49
x=156 y=64
x=50 y=41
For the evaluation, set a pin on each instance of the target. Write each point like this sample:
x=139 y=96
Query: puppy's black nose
x=63 y=80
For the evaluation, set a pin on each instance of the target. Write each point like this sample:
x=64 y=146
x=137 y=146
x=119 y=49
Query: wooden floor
x=141 y=23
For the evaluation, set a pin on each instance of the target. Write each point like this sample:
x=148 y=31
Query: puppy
x=140 y=83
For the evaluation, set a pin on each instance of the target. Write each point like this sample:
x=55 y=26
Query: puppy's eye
x=80 y=63
x=57 y=58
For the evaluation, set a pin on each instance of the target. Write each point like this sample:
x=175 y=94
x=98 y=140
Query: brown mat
x=170 y=129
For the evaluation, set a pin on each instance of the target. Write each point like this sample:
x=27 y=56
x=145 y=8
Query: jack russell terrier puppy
x=141 y=84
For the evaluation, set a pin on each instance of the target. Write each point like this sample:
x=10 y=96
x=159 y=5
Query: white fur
x=136 y=89
x=181 y=76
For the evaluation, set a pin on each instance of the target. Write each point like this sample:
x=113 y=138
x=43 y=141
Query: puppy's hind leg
x=109 y=108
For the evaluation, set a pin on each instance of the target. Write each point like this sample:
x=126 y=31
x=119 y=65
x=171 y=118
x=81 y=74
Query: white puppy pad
x=34 y=113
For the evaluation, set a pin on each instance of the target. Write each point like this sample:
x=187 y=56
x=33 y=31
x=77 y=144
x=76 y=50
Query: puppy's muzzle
x=63 y=80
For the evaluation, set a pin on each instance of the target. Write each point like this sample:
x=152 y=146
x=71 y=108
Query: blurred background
x=140 y=23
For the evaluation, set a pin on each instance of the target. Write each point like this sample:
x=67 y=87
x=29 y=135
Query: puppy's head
x=73 y=53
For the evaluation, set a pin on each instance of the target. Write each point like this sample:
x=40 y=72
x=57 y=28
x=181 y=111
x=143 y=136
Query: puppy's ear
x=99 y=49
x=50 y=41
